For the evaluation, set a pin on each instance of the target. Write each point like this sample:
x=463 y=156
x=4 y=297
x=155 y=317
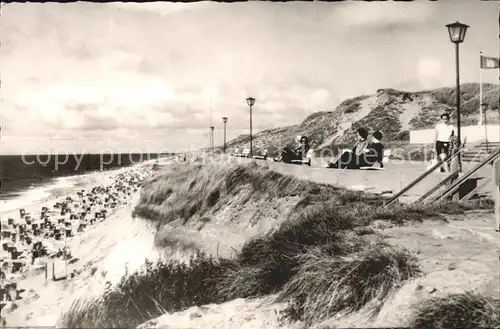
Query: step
x=483 y=148
x=474 y=156
x=474 y=152
x=472 y=160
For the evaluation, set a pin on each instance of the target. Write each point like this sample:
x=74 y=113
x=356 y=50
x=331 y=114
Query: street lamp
x=457 y=34
x=212 y=138
x=484 y=108
x=224 y=119
x=250 y=102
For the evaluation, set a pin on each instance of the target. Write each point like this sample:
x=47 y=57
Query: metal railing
x=456 y=185
x=449 y=178
x=424 y=175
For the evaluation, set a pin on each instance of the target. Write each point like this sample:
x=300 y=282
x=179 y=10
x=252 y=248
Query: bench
x=385 y=159
x=307 y=159
x=262 y=156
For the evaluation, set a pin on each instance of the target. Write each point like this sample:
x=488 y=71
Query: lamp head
x=250 y=101
x=224 y=119
x=457 y=32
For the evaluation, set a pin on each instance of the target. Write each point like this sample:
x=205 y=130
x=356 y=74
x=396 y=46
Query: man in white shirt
x=442 y=137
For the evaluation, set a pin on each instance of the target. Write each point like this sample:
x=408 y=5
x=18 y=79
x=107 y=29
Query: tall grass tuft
x=155 y=290
x=326 y=284
x=466 y=310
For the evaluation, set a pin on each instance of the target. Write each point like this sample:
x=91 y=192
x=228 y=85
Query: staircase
x=479 y=151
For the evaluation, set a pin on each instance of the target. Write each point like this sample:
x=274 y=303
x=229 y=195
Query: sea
x=28 y=178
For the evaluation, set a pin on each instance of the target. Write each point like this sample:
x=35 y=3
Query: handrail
x=455 y=186
x=451 y=176
x=425 y=174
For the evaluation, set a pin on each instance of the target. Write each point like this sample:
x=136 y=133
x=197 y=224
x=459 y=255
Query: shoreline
x=58 y=189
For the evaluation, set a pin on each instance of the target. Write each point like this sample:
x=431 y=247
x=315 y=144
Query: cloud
x=94 y=121
x=429 y=73
x=362 y=14
x=73 y=68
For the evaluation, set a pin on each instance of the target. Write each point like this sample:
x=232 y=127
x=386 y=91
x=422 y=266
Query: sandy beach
x=75 y=242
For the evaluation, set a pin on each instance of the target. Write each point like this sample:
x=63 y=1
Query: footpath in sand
x=100 y=253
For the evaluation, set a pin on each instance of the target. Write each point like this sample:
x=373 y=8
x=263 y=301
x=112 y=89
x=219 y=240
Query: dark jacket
x=377 y=149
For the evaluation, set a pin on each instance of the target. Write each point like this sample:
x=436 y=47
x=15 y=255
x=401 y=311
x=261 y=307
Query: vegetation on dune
x=183 y=191
x=327 y=284
x=382 y=118
x=466 y=310
x=155 y=290
x=319 y=260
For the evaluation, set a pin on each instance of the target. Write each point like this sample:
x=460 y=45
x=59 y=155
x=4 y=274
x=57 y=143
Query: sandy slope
x=261 y=313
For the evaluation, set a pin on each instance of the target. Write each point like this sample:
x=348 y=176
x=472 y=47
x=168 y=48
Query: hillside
x=393 y=112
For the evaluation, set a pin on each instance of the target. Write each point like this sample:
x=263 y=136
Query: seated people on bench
x=375 y=152
x=297 y=152
x=351 y=159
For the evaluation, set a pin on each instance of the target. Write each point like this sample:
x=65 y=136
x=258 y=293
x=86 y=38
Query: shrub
x=326 y=285
x=157 y=289
x=466 y=310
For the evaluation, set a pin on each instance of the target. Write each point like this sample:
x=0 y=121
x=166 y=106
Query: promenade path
x=395 y=176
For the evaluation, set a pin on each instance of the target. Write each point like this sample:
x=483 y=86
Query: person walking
x=443 y=133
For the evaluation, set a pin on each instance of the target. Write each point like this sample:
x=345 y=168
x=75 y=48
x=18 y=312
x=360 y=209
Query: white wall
x=474 y=134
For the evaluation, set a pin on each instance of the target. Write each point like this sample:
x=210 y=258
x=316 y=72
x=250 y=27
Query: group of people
x=368 y=152
x=365 y=153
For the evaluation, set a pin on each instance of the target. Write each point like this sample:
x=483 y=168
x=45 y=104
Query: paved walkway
x=394 y=178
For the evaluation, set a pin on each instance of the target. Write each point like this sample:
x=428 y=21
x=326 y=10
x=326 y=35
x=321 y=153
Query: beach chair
x=18 y=264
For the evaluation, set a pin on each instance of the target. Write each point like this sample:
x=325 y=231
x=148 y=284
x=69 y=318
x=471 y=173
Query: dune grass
x=467 y=310
x=183 y=191
x=155 y=290
x=318 y=260
x=327 y=284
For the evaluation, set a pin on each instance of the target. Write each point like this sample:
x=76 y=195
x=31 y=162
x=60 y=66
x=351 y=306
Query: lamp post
x=212 y=138
x=457 y=35
x=484 y=108
x=250 y=102
x=224 y=119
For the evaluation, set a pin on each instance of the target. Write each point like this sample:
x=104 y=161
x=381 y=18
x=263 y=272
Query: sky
x=151 y=77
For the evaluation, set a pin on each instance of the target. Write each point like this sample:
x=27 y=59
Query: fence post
x=496 y=192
